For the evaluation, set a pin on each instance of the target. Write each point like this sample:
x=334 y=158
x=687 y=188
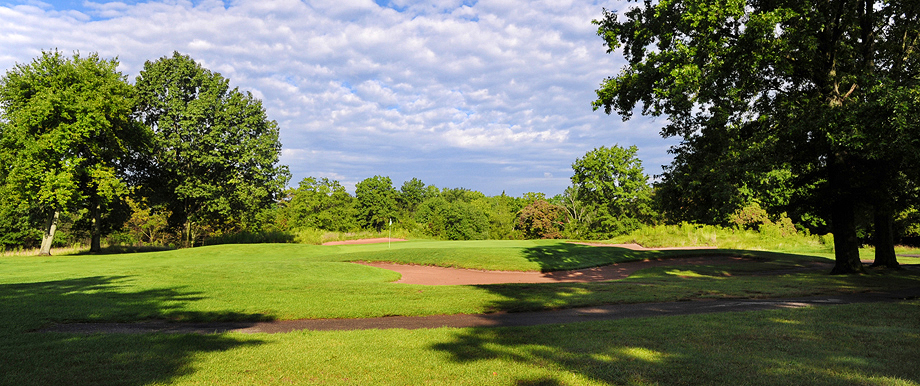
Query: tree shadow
x=821 y=345
x=567 y=256
x=124 y=249
x=30 y=357
x=745 y=347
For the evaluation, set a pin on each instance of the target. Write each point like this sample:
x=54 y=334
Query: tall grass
x=251 y=238
x=319 y=236
x=64 y=250
x=690 y=235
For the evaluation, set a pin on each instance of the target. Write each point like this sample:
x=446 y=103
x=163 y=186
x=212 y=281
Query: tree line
x=810 y=108
x=83 y=148
x=610 y=196
x=768 y=140
x=177 y=157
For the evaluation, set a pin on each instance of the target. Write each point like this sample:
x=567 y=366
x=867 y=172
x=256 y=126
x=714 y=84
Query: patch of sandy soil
x=430 y=275
x=364 y=241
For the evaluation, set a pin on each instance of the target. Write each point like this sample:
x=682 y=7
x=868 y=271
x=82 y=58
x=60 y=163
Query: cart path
x=501 y=319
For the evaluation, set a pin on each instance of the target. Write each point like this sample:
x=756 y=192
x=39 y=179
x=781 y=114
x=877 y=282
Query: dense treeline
x=806 y=107
x=610 y=197
x=175 y=157
x=181 y=159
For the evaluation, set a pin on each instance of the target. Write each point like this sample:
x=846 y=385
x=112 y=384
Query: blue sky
x=487 y=95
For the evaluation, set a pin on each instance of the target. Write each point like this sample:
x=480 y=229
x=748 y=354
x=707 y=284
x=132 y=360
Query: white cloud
x=490 y=95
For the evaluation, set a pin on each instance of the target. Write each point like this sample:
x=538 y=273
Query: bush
x=694 y=235
x=452 y=220
x=542 y=220
x=251 y=238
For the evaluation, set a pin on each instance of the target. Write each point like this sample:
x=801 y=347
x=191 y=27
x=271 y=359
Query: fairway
x=265 y=282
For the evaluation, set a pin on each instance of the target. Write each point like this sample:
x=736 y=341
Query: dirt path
x=502 y=319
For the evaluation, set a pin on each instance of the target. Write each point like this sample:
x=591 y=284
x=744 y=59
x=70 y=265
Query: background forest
x=180 y=159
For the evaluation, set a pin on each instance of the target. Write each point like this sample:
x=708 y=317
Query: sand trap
x=430 y=275
x=364 y=241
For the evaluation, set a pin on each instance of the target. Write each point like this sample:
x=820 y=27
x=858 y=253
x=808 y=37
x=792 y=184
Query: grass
x=834 y=345
x=820 y=346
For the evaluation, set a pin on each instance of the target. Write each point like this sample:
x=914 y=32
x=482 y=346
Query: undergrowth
x=694 y=235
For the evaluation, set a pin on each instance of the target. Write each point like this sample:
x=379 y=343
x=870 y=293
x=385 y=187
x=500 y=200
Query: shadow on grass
x=39 y=358
x=565 y=256
x=122 y=249
x=827 y=345
x=823 y=345
x=762 y=275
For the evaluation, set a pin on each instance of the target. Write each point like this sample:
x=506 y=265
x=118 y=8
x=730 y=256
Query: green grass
x=837 y=345
x=815 y=346
x=292 y=281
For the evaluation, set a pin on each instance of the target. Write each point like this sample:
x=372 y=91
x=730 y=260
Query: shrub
x=542 y=220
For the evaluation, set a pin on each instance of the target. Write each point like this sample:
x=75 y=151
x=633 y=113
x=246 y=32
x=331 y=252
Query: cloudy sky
x=487 y=95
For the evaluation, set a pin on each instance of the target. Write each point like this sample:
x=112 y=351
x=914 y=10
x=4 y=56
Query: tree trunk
x=884 y=240
x=95 y=245
x=48 y=237
x=188 y=234
x=846 y=244
x=843 y=218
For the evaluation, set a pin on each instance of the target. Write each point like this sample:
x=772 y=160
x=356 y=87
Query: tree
x=411 y=194
x=578 y=214
x=215 y=152
x=542 y=220
x=502 y=215
x=376 y=202
x=457 y=220
x=466 y=222
x=69 y=139
x=613 y=182
x=322 y=204
x=824 y=87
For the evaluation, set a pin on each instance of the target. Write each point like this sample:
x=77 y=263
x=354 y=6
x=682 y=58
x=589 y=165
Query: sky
x=493 y=96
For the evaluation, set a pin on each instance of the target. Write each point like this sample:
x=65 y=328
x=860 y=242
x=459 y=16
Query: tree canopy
x=215 y=154
x=321 y=204
x=376 y=201
x=612 y=182
x=828 y=89
x=68 y=139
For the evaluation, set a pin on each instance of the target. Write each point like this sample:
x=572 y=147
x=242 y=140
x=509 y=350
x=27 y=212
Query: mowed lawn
x=854 y=344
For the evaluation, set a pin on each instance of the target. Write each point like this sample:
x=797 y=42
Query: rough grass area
x=814 y=346
x=293 y=281
x=685 y=235
x=858 y=344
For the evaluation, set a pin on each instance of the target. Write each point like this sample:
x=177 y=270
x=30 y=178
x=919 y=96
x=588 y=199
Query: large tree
x=824 y=87
x=376 y=202
x=321 y=203
x=68 y=139
x=612 y=181
x=215 y=156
